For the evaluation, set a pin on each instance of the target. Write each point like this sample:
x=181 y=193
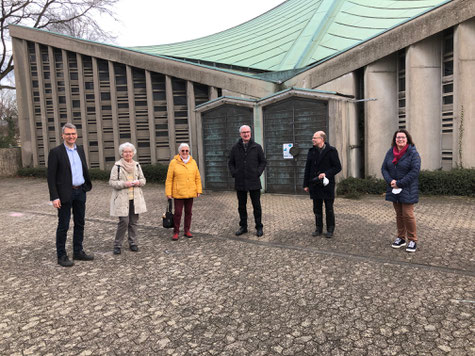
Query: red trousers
x=179 y=204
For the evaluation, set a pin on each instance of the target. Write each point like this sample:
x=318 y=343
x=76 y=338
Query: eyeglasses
x=401 y=138
x=246 y=132
x=70 y=134
x=184 y=151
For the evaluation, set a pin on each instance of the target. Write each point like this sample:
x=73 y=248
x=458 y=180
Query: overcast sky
x=152 y=22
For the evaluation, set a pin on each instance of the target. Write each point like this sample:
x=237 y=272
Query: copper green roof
x=297 y=33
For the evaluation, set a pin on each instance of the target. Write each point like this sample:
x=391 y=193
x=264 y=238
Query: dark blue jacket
x=406 y=174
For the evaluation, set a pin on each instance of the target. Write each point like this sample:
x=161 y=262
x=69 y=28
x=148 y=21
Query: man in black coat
x=68 y=182
x=246 y=164
x=320 y=169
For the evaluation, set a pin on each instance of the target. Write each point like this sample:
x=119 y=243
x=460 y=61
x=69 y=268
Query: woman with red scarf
x=400 y=170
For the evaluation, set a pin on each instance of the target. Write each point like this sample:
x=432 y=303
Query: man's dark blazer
x=60 y=180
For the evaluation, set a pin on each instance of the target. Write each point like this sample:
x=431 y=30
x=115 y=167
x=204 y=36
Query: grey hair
x=322 y=134
x=126 y=145
x=183 y=145
x=243 y=127
x=69 y=126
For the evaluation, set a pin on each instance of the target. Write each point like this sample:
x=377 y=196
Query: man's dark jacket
x=60 y=179
x=247 y=166
x=318 y=162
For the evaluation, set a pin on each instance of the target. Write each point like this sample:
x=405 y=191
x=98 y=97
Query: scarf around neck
x=128 y=166
x=185 y=160
x=398 y=154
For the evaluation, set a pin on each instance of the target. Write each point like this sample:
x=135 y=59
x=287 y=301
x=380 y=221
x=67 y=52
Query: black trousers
x=78 y=205
x=329 y=214
x=256 y=205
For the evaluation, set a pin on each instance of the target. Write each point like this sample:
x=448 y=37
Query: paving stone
x=287 y=293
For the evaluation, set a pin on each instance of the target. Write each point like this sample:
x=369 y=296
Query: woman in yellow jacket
x=183 y=184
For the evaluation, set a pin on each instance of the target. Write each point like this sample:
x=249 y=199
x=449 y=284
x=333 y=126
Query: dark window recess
x=402 y=103
x=51 y=119
x=160 y=108
x=140 y=103
x=48 y=91
x=179 y=100
x=448 y=88
x=402 y=84
x=73 y=76
x=181 y=114
x=120 y=80
x=161 y=127
x=105 y=96
x=91 y=109
x=89 y=85
x=159 y=96
x=110 y=159
x=49 y=102
x=448 y=99
x=124 y=135
x=47 y=85
x=60 y=83
x=35 y=84
x=76 y=114
x=122 y=88
x=63 y=116
x=36 y=98
x=106 y=107
x=74 y=90
x=93 y=144
x=89 y=96
x=62 y=99
x=37 y=111
x=139 y=85
x=161 y=133
x=51 y=128
x=143 y=144
x=76 y=104
x=46 y=75
x=123 y=106
x=78 y=126
x=181 y=122
x=448 y=68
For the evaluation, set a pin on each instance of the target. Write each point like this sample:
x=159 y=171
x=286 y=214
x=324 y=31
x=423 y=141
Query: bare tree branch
x=77 y=18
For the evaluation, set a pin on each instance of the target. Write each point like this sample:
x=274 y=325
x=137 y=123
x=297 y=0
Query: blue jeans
x=78 y=204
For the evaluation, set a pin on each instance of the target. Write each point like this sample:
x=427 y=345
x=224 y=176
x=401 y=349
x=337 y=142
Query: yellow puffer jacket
x=183 y=180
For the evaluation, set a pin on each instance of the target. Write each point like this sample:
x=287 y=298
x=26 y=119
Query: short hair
x=243 y=127
x=68 y=126
x=183 y=145
x=408 y=135
x=322 y=134
x=126 y=145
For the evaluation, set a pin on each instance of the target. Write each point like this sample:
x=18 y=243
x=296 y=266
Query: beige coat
x=119 y=204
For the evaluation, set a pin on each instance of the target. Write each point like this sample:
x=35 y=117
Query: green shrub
x=37 y=172
x=155 y=173
x=454 y=182
x=99 y=174
x=354 y=188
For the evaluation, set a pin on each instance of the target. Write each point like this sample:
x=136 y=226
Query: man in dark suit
x=320 y=169
x=68 y=182
x=246 y=164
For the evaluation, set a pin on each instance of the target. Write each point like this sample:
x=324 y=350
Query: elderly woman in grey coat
x=127 y=200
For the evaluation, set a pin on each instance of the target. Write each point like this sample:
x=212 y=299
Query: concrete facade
x=115 y=95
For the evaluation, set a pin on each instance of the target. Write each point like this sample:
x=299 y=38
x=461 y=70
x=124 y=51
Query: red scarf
x=398 y=154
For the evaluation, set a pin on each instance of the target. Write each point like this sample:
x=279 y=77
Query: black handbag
x=168 y=216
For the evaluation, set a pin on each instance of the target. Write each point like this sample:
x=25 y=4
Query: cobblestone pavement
x=287 y=293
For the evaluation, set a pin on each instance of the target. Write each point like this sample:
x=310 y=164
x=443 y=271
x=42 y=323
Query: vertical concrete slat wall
x=115 y=116
x=82 y=103
x=423 y=99
x=190 y=94
x=151 y=117
x=170 y=115
x=67 y=85
x=464 y=58
x=41 y=90
x=131 y=97
x=98 y=107
x=54 y=93
x=381 y=115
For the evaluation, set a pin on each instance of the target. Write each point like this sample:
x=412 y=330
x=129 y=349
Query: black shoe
x=134 y=248
x=116 y=250
x=83 y=256
x=65 y=261
x=329 y=234
x=259 y=232
x=317 y=233
x=242 y=230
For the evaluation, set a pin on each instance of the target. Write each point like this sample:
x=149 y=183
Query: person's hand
x=57 y=203
x=169 y=196
x=129 y=184
x=321 y=176
x=198 y=195
x=393 y=183
x=306 y=189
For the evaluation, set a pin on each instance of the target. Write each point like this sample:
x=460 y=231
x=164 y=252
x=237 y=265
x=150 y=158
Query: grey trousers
x=127 y=223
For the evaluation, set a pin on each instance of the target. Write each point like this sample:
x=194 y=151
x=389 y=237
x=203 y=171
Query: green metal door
x=292 y=121
x=220 y=133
